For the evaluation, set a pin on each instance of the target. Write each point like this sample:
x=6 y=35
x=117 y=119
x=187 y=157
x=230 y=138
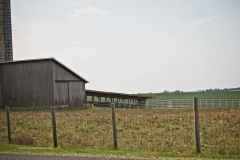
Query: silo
x=6 y=51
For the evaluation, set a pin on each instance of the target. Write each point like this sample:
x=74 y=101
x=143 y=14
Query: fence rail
x=188 y=103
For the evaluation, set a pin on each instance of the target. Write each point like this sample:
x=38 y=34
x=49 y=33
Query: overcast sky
x=134 y=45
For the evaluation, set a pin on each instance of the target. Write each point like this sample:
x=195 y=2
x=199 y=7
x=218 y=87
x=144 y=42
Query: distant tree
x=165 y=91
x=177 y=92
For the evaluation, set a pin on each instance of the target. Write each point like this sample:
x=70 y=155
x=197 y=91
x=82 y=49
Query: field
x=210 y=98
x=166 y=131
x=209 y=94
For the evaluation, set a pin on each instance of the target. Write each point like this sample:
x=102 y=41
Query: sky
x=134 y=46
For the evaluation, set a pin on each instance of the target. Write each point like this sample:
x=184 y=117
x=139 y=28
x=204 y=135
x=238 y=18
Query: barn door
x=76 y=93
x=62 y=94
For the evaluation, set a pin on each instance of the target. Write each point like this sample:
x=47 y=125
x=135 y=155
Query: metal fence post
x=114 y=127
x=197 y=125
x=8 y=122
x=54 y=127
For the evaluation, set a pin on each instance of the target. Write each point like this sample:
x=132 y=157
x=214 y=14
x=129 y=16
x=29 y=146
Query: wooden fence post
x=197 y=125
x=54 y=127
x=8 y=122
x=114 y=127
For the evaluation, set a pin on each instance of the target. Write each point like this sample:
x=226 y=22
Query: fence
x=188 y=103
x=166 y=129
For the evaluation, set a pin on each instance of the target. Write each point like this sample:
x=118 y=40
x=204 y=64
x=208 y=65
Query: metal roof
x=45 y=59
x=113 y=94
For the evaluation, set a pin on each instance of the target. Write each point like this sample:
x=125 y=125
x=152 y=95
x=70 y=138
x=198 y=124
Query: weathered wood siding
x=61 y=93
x=28 y=84
x=1 y=98
x=1 y=95
x=68 y=88
x=40 y=83
x=61 y=73
x=76 y=93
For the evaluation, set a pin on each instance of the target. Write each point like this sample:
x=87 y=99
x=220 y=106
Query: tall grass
x=161 y=130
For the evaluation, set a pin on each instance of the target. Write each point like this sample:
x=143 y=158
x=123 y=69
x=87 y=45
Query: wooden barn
x=40 y=82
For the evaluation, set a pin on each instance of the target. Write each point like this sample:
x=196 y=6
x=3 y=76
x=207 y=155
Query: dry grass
x=156 y=129
x=162 y=130
x=85 y=128
x=220 y=130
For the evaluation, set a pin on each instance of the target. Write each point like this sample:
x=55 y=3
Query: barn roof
x=46 y=59
x=114 y=94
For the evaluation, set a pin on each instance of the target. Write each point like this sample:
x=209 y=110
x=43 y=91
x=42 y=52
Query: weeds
x=155 y=130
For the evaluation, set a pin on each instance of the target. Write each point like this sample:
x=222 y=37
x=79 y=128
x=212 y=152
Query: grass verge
x=128 y=154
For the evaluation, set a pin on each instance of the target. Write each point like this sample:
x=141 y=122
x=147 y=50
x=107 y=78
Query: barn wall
x=1 y=98
x=28 y=84
x=67 y=92
x=76 y=93
x=61 y=93
x=61 y=73
x=1 y=95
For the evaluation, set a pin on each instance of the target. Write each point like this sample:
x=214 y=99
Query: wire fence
x=203 y=102
x=220 y=130
x=160 y=129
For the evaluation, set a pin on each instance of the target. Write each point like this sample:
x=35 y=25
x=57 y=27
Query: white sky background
x=134 y=45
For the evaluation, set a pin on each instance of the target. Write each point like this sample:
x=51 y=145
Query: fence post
x=8 y=121
x=197 y=125
x=114 y=127
x=54 y=127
